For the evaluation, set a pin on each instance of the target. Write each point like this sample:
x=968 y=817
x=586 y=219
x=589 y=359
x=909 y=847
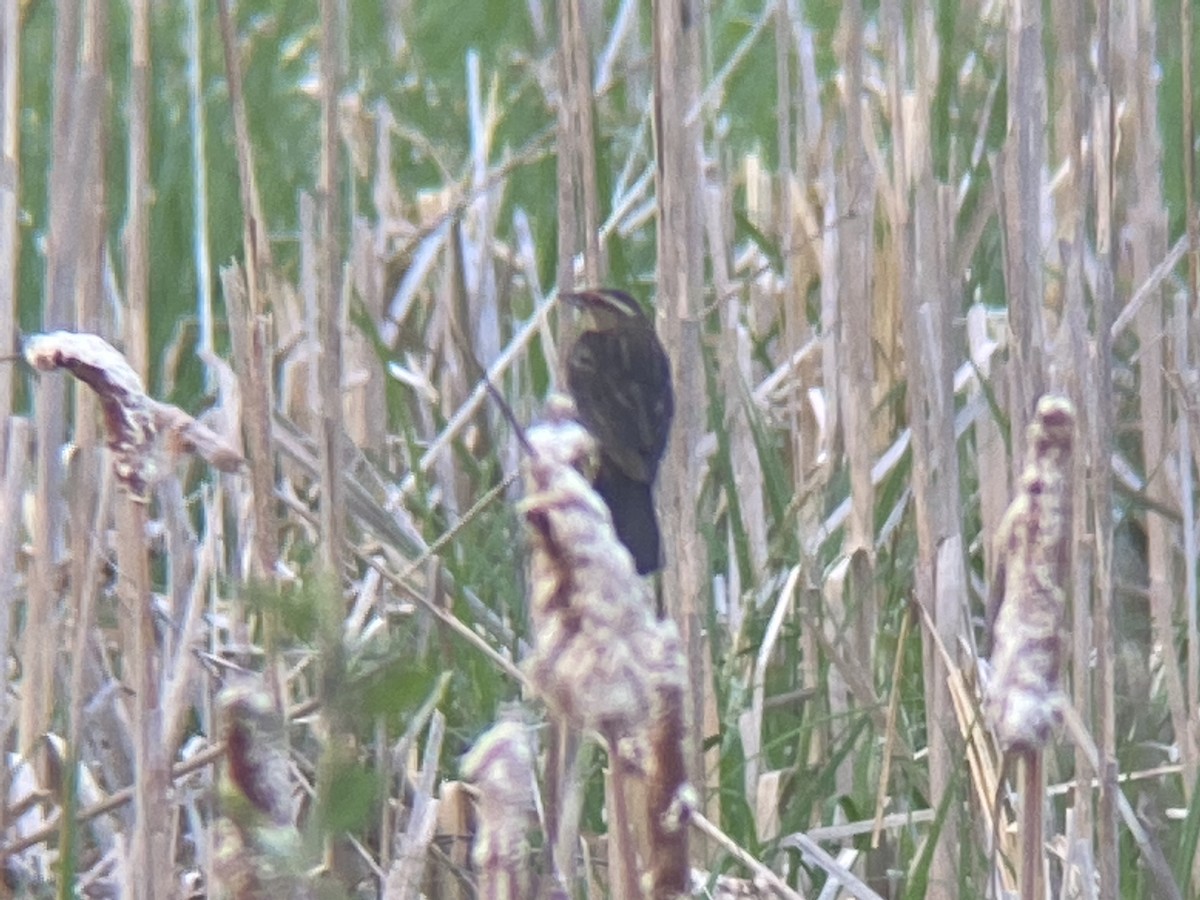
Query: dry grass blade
x=850 y=883
x=481 y=390
x=404 y=878
x=777 y=885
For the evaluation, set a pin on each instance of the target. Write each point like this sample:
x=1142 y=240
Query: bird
x=619 y=376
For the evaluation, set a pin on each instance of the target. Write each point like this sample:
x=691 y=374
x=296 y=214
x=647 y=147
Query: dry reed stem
x=246 y=299
x=137 y=227
x=578 y=203
x=12 y=492
x=1072 y=367
x=856 y=371
x=1019 y=175
x=404 y=879
x=676 y=28
x=778 y=886
x=248 y=340
x=10 y=178
x=1185 y=347
x=85 y=579
x=1100 y=416
x=414 y=837
x=199 y=171
x=74 y=130
x=182 y=669
x=890 y=734
x=151 y=857
x=331 y=301
x=746 y=490
x=752 y=730
x=928 y=295
x=256 y=245
x=1147 y=221
x=980 y=751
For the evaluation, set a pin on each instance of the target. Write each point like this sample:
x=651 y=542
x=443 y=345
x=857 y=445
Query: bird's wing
x=612 y=391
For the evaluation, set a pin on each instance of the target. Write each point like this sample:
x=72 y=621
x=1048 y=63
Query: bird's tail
x=632 y=505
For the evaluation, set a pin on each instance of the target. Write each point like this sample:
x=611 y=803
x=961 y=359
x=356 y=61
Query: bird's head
x=606 y=308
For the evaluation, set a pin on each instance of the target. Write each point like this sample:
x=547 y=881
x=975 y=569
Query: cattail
x=144 y=435
x=1025 y=698
x=500 y=765
x=601 y=659
x=599 y=651
x=259 y=851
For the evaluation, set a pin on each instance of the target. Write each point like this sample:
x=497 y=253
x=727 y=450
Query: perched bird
x=620 y=379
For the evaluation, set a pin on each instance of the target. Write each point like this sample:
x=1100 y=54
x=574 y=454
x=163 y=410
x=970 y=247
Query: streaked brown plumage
x=620 y=378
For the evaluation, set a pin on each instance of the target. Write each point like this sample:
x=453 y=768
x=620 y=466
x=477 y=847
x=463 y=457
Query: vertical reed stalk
x=577 y=153
x=137 y=227
x=1100 y=414
x=71 y=131
x=12 y=493
x=1147 y=225
x=249 y=334
x=196 y=123
x=680 y=291
x=151 y=864
x=1020 y=177
x=84 y=477
x=1185 y=346
x=330 y=312
x=10 y=181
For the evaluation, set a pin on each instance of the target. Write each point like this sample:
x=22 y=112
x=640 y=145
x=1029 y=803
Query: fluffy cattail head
x=599 y=652
x=1032 y=550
